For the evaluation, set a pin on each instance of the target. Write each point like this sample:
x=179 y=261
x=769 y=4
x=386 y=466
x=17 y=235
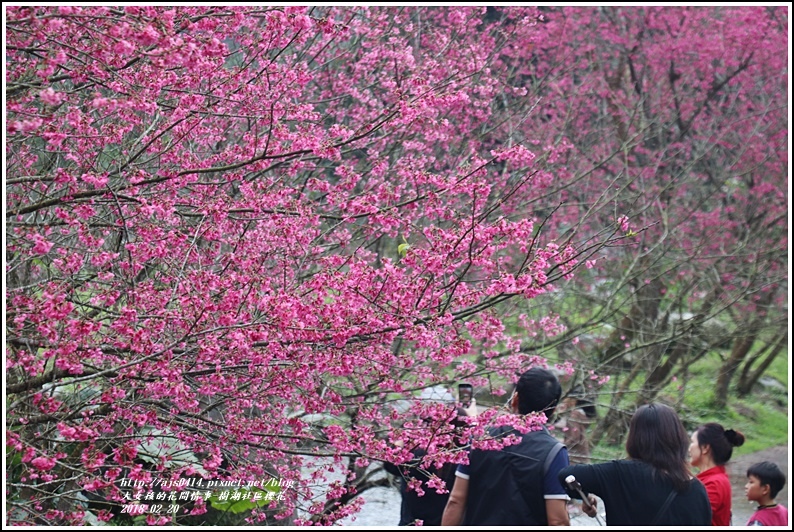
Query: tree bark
x=749 y=377
x=740 y=349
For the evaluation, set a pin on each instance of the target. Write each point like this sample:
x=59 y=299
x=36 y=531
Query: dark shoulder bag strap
x=551 y=456
x=555 y=450
x=664 y=507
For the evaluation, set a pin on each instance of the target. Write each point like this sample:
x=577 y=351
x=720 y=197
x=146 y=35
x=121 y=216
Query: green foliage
x=266 y=495
x=403 y=248
x=605 y=452
x=127 y=520
x=764 y=426
x=14 y=470
x=761 y=416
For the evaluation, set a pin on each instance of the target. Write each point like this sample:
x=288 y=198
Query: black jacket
x=430 y=506
x=633 y=494
x=506 y=486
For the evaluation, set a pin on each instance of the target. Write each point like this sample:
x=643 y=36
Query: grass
x=763 y=416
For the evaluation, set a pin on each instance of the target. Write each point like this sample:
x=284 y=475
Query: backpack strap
x=664 y=507
x=555 y=450
x=551 y=456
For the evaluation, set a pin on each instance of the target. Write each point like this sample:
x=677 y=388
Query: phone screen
x=465 y=392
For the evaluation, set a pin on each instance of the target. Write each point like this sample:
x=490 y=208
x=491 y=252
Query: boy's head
x=764 y=479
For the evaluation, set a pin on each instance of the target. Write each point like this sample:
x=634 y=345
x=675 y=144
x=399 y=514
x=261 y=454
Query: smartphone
x=465 y=393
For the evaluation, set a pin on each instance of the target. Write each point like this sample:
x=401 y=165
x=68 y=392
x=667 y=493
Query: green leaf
x=247 y=503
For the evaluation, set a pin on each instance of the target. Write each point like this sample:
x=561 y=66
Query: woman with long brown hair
x=653 y=486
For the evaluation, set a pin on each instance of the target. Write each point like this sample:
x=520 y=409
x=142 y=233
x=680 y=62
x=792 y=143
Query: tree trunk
x=611 y=423
x=657 y=379
x=641 y=318
x=740 y=349
x=644 y=313
x=749 y=377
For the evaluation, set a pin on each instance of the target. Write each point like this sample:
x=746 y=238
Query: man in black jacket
x=516 y=485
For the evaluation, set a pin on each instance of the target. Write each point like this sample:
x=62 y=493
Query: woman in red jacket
x=710 y=450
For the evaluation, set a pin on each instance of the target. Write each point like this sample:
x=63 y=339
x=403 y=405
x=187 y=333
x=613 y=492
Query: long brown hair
x=657 y=437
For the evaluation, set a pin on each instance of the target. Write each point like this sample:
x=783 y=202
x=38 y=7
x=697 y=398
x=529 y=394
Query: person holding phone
x=466 y=400
x=427 y=508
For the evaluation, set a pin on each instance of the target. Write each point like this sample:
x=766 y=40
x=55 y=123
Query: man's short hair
x=538 y=390
x=770 y=474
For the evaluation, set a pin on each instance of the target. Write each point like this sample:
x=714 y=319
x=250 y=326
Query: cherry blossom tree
x=679 y=117
x=239 y=238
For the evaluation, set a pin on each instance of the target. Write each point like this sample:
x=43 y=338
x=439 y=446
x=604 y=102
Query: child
x=764 y=481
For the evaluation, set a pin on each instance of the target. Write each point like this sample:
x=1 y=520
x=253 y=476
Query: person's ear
x=514 y=401
x=765 y=489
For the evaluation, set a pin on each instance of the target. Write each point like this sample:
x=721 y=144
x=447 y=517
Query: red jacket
x=718 y=486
